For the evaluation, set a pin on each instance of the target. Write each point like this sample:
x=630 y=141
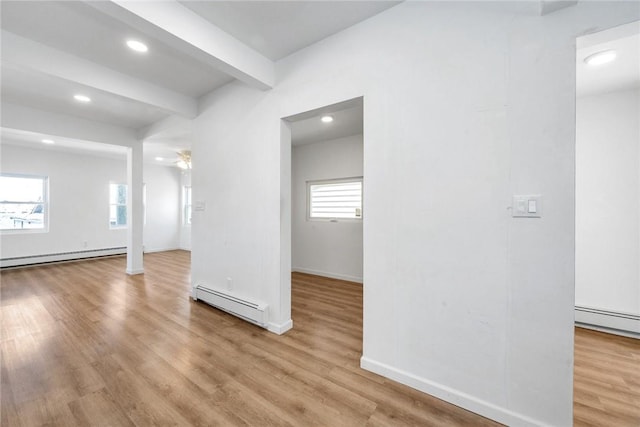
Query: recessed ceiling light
x=48 y=141
x=137 y=46
x=326 y=119
x=159 y=159
x=600 y=58
x=82 y=98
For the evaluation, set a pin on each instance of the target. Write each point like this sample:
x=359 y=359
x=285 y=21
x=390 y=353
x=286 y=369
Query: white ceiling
x=279 y=28
x=621 y=74
x=50 y=93
x=167 y=144
x=347 y=121
x=76 y=28
x=52 y=50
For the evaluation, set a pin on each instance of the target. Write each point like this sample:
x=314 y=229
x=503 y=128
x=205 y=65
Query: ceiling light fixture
x=184 y=161
x=81 y=98
x=137 y=46
x=159 y=159
x=600 y=58
x=326 y=119
x=48 y=141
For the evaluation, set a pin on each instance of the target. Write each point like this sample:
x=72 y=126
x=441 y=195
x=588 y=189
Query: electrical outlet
x=229 y=284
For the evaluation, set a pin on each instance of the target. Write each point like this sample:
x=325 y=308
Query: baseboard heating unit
x=60 y=256
x=626 y=324
x=250 y=311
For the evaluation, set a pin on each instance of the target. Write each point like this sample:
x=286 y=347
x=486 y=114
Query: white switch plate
x=199 y=206
x=527 y=206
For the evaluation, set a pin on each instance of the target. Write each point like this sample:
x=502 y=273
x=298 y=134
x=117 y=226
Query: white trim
x=625 y=324
x=448 y=394
x=134 y=272
x=338 y=276
x=150 y=251
x=63 y=256
x=280 y=328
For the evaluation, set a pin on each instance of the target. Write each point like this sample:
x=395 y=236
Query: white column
x=134 y=210
x=283 y=322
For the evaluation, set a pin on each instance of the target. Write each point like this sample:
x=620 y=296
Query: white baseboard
x=150 y=251
x=625 y=324
x=327 y=274
x=136 y=271
x=455 y=397
x=61 y=256
x=280 y=328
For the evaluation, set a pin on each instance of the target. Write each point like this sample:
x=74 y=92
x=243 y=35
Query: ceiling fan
x=184 y=159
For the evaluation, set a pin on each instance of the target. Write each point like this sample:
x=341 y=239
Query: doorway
x=327 y=210
x=608 y=181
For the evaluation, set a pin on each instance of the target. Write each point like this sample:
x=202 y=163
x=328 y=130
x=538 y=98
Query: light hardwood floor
x=85 y=344
x=606 y=380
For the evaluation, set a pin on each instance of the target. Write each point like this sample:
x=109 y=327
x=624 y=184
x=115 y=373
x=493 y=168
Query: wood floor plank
x=98 y=402
x=606 y=368
x=85 y=344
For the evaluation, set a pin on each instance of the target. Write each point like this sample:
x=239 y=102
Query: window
x=117 y=205
x=23 y=202
x=335 y=199
x=144 y=204
x=186 y=204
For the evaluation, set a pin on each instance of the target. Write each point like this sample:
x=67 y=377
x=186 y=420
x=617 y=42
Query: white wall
x=163 y=220
x=608 y=201
x=331 y=249
x=42 y=122
x=78 y=201
x=465 y=104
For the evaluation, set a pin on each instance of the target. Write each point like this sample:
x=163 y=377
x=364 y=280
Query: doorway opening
x=608 y=181
x=326 y=222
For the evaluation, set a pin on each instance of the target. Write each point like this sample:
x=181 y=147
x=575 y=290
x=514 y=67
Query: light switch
x=199 y=206
x=527 y=206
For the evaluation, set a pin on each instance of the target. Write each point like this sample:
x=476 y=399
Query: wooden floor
x=606 y=380
x=85 y=344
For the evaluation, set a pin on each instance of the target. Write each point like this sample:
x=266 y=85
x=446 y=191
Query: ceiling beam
x=27 y=54
x=179 y=27
x=550 y=6
x=23 y=118
x=171 y=125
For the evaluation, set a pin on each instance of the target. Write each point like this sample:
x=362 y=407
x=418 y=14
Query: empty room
x=332 y=213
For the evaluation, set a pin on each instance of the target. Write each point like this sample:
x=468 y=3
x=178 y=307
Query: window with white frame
x=335 y=199
x=24 y=203
x=144 y=204
x=117 y=205
x=186 y=205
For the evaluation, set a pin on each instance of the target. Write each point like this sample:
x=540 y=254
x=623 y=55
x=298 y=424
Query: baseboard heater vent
x=250 y=311
x=621 y=323
x=60 y=256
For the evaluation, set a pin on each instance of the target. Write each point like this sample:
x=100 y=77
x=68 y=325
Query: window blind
x=337 y=199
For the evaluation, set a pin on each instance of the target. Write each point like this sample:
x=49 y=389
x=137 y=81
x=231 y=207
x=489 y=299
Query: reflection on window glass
x=117 y=205
x=23 y=202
